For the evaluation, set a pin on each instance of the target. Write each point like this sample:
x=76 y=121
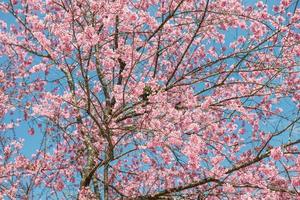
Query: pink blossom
x=31 y=131
x=285 y=3
x=276 y=153
x=148 y=99
x=59 y=185
x=259 y=4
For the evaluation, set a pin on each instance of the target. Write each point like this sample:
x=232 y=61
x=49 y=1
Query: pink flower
x=133 y=17
x=296 y=182
x=276 y=153
x=242 y=131
x=276 y=8
x=241 y=39
x=7 y=151
x=285 y=3
x=31 y=131
x=59 y=185
x=260 y=4
x=194 y=139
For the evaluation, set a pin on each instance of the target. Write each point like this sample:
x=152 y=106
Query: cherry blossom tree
x=150 y=99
